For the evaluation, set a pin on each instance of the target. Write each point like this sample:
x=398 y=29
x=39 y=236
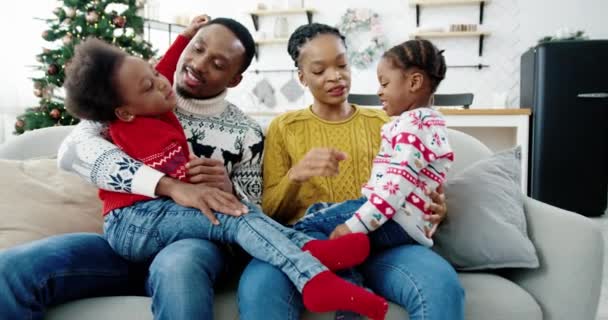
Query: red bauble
x=55 y=113
x=119 y=21
x=52 y=70
x=46 y=34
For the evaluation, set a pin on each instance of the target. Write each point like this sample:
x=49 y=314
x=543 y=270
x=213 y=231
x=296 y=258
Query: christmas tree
x=114 y=21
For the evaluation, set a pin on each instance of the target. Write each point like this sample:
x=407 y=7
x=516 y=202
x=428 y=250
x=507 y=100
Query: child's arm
x=409 y=156
x=154 y=142
x=167 y=65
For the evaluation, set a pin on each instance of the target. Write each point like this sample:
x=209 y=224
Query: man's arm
x=88 y=153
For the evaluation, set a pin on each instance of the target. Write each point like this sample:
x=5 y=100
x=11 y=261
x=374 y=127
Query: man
x=180 y=279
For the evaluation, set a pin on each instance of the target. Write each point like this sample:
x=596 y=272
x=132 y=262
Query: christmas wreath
x=357 y=20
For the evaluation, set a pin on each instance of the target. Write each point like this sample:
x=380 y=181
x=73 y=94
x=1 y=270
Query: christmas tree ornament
x=75 y=20
x=92 y=16
x=55 y=113
x=67 y=39
x=119 y=21
x=46 y=35
x=264 y=91
x=70 y=12
x=292 y=90
x=52 y=69
x=59 y=12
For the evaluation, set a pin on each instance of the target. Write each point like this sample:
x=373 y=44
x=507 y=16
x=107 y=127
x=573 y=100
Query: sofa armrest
x=570 y=248
x=36 y=144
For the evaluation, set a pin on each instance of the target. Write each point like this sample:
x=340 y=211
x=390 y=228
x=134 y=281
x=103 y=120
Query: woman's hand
x=340 y=230
x=197 y=23
x=209 y=172
x=318 y=162
x=439 y=208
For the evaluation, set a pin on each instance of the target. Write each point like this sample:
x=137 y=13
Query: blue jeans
x=323 y=218
x=59 y=269
x=411 y=276
x=140 y=231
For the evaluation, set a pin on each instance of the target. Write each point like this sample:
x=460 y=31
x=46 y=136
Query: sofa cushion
x=487 y=297
x=486 y=224
x=39 y=200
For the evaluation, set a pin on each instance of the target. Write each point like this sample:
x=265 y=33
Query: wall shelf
x=270 y=41
x=420 y=3
x=255 y=15
x=454 y=34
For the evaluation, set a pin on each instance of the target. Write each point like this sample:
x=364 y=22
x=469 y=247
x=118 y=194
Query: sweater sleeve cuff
x=356 y=225
x=145 y=181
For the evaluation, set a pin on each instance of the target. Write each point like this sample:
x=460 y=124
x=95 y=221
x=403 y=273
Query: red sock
x=328 y=292
x=340 y=253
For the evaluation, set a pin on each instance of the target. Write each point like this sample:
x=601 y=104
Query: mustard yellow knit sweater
x=291 y=135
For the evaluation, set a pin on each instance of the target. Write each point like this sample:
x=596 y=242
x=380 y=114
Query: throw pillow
x=37 y=200
x=486 y=224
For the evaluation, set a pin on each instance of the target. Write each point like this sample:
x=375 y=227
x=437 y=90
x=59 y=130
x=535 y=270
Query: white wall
x=515 y=25
x=20 y=34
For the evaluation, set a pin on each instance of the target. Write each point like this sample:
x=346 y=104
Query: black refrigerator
x=566 y=85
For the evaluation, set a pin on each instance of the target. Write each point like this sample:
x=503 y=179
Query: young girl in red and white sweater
x=105 y=84
x=414 y=156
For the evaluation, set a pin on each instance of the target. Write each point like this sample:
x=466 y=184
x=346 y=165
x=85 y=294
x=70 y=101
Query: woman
x=324 y=154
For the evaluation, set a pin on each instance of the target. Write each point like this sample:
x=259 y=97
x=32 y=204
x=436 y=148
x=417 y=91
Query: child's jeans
x=140 y=231
x=322 y=218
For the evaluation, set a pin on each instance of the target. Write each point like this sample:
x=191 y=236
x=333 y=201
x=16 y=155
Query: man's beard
x=184 y=93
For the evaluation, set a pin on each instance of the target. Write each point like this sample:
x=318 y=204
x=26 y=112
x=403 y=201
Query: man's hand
x=209 y=172
x=197 y=23
x=439 y=208
x=318 y=162
x=339 y=231
x=205 y=198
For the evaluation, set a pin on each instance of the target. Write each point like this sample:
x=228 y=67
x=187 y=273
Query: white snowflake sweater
x=215 y=128
x=414 y=155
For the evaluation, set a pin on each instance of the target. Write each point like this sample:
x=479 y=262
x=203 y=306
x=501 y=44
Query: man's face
x=210 y=63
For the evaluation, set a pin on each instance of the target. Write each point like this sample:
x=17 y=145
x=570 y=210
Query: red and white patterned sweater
x=414 y=154
x=159 y=143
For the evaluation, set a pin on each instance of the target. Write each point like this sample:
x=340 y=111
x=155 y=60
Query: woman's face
x=324 y=69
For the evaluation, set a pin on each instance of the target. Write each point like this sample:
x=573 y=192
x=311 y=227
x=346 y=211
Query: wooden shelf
x=485 y=112
x=280 y=12
x=444 y=2
x=449 y=34
x=454 y=34
x=272 y=41
x=255 y=15
x=421 y=3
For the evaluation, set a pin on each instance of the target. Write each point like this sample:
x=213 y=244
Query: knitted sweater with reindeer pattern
x=214 y=128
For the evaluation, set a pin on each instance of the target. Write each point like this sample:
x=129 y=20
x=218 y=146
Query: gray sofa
x=565 y=286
